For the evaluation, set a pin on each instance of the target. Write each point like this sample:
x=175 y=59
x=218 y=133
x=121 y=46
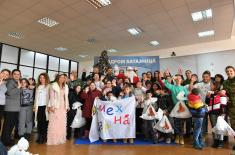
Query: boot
x=220 y=144
x=38 y=138
x=177 y=139
x=40 y=141
x=215 y=144
x=86 y=134
x=225 y=138
x=44 y=138
x=182 y=140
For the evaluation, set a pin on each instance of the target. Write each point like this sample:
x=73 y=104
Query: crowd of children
x=46 y=105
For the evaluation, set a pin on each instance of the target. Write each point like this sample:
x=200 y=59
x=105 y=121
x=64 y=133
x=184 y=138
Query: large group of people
x=46 y=105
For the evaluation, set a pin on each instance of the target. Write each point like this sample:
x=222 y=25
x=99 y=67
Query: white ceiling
x=167 y=21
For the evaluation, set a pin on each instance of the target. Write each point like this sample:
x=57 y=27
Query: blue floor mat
x=137 y=141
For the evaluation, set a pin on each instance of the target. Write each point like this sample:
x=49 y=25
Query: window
x=74 y=66
x=53 y=63
x=52 y=75
x=8 y=66
x=41 y=60
x=26 y=72
x=64 y=65
x=10 y=54
x=32 y=64
x=37 y=72
x=26 y=58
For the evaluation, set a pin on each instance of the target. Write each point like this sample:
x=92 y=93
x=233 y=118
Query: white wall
x=191 y=57
x=214 y=62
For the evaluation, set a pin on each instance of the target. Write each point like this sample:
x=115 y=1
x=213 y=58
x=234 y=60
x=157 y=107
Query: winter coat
x=89 y=98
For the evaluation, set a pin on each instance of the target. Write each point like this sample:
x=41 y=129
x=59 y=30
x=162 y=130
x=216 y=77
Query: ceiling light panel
x=206 y=33
x=202 y=15
x=112 y=50
x=61 y=49
x=154 y=43
x=135 y=31
x=99 y=3
x=17 y=35
x=48 y=22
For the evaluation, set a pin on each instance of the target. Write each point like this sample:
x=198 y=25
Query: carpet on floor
x=137 y=141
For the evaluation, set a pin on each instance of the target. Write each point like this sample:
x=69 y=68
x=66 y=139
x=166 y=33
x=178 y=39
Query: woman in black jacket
x=74 y=96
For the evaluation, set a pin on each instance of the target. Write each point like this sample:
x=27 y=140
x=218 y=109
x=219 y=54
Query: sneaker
x=125 y=141
x=177 y=139
x=168 y=140
x=181 y=140
x=115 y=140
x=131 y=141
x=198 y=147
x=161 y=139
x=215 y=144
x=220 y=144
x=104 y=140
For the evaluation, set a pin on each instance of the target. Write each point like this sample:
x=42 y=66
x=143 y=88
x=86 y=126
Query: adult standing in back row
x=12 y=107
x=4 y=75
x=229 y=87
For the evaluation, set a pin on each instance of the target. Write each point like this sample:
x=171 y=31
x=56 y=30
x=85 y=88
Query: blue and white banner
x=142 y=63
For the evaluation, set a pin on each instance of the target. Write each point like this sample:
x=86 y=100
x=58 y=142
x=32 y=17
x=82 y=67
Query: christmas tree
x=103 y=62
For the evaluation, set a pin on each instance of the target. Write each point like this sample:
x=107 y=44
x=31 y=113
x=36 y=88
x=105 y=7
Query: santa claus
x=131 y=74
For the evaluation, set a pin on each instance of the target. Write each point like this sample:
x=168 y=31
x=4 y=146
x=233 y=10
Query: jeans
x=179 y=126
x=197 y=134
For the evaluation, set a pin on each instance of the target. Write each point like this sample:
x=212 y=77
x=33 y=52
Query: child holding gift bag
x=149 y=116
x=178 y=121
x=165 y=103
x=216 y=107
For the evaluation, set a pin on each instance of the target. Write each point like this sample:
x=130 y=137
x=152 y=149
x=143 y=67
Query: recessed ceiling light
x=135 y=31
x=201 y=15
x=17 y=35
x=206 y=33
x=82 y=56
x=61 y=49
x=154 y=43
x=48 y=22
x=112 y=50
x=99 y=3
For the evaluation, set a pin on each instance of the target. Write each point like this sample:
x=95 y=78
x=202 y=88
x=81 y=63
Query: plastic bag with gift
x=222 y=127
x=78 y=120
x=20 y=148
x=164 y=125
x=180 y=111
x=151 y=114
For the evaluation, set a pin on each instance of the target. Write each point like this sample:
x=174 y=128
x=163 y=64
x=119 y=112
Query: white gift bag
x=151 y=114
x=78 y=120
x=164 y=125
x=223 y=100
x=180 y=111
x=222 y=127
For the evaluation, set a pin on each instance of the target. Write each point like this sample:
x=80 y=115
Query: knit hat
x=194 y=101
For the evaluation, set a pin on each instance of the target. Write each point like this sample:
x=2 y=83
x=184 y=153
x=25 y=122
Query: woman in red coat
x=88 y=95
